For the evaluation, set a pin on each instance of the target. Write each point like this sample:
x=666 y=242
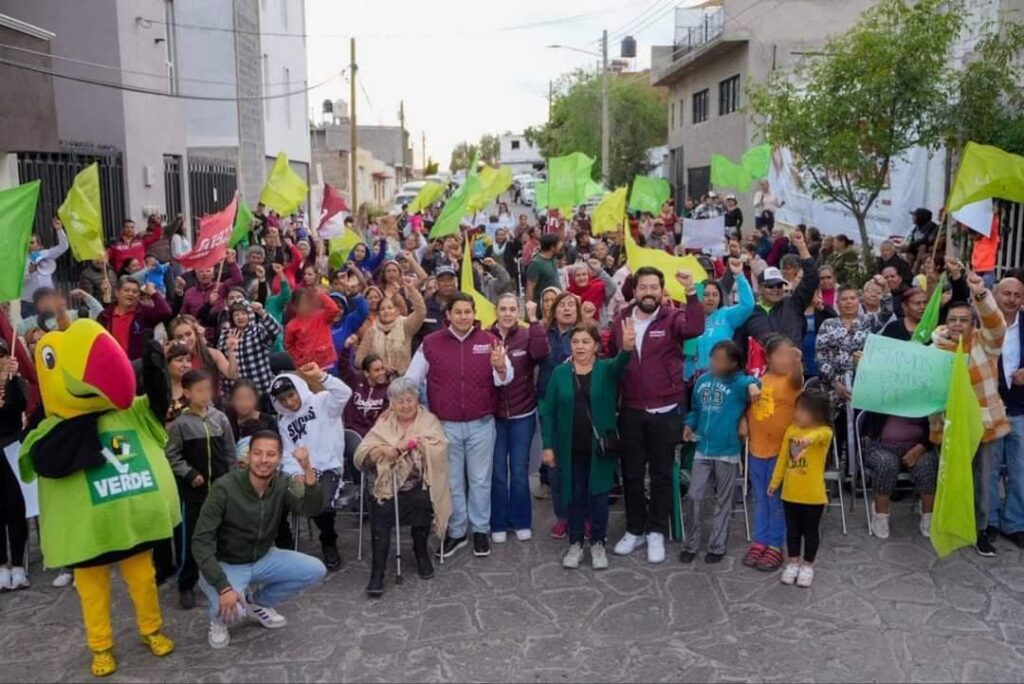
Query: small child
x=246 y=417
x=716 y=423
x=769 y=417
x=800 y=471
x=200 y=448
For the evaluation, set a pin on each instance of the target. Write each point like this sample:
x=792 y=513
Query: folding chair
x=744 y=486
x=903 y=476
x=352 y=441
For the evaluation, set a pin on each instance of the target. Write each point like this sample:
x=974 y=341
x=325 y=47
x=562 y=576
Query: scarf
x=499 y=250
x=430 y=455
x=391 y=343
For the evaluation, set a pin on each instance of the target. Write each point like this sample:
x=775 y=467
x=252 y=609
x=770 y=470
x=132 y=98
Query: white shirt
x=1011 y=350
x=419 y=366
x=641 y=325
x=766 y=200
x=35 y=279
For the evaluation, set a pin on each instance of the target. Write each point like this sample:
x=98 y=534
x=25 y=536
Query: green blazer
x=556 y=418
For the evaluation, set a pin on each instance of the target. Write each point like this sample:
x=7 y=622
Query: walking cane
x=398 y=532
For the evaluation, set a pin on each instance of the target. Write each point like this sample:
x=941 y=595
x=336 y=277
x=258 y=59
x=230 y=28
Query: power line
x=657 y=6
x=647 y=23
x=159 y=93
x=110 y=67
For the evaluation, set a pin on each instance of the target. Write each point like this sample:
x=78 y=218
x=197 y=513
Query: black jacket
x=200 y=445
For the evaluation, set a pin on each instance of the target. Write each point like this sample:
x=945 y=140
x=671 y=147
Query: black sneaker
x=187 y=599
x=481 y=545
x=712 y=558
x=332 y=559
x=1017 y=538
x=451 y=545
x=686 y=556
x=984 y=546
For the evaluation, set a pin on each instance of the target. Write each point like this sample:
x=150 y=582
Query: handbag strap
x=586 y=404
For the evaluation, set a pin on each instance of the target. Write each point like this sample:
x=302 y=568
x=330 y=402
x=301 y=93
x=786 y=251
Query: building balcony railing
x=690 y=38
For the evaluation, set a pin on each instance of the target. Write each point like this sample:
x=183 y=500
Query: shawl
x=390 y=342
x=430 y=452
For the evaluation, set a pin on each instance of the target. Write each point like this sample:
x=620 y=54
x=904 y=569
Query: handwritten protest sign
x=902 y=378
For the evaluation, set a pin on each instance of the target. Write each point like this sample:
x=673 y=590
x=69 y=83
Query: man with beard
x=652 y=392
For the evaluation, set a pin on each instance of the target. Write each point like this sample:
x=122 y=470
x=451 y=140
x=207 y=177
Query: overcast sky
x=458 y=65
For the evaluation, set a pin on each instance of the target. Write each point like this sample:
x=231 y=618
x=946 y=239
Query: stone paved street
x=877 y=612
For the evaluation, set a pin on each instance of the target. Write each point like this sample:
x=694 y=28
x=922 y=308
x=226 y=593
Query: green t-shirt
x=544 y=273
x=130 y=500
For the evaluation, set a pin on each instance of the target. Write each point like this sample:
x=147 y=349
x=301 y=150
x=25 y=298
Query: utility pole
x=401 y=123
x=353 y=141
x=424 y=143
x=605 y=133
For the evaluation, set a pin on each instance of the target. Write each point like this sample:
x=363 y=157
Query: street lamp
x=604 y=98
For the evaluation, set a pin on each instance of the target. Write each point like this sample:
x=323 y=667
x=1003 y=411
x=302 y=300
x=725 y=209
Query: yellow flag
x=285 y=190
x=984 y=172
x=339 y=248
x=428 y=194
x=493 y=182
x=610 y=213
x=669 y=265
x=81 y=215
x=486 y=312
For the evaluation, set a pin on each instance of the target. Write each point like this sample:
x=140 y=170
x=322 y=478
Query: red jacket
x=655 y=377
x=460 y=380
x=120 y=252
x=594 y=292
x=308 y=339
x=525 y=347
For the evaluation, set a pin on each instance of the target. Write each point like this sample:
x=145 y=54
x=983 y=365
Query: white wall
x=286 y=120
x=205 y=55
x=526 y=154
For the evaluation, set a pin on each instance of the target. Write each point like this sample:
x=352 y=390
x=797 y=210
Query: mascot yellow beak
x=83 y=370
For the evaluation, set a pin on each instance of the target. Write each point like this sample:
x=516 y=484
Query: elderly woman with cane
x=405 y=457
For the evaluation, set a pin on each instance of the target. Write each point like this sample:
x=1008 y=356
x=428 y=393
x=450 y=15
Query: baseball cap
x=922 y=213
x=730 y=196
x=712 y=193
x=282 y=386
x=445 y=270
x=771 y=276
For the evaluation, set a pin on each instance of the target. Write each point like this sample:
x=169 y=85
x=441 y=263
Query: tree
x=880 y=89
x=462 y=154
x=490 y=149
x=637 y=115
x=431 y=167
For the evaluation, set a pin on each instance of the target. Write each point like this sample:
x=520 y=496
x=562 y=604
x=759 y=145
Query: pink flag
x=212 y=244
x=332 y=218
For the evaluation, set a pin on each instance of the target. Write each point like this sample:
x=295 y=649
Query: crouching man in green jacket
x=233 y=542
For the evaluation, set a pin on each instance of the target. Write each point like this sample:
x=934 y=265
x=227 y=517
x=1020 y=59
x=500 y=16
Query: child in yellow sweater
x=800 y=471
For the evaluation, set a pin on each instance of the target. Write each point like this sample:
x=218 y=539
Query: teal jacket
x=716 y=408
x=556 y=419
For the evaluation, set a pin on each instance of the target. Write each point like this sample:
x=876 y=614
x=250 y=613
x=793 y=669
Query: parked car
x=528 y=194
x=401 y=198
x=413 y=186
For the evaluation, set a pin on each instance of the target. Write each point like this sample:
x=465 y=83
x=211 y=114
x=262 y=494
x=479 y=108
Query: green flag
x=428 y=194
x=930 y=318
x=592 y=189
x=753 y=166
x=17 y=212
x=567 y=180
x=243 y=219
x=540 y=195
x=984 y=172
x=648 y=194
x=457 y=205
x=953 y=521
x=82 y=215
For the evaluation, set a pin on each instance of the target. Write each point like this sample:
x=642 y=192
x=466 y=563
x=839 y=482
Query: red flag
x=757 y=359
x=332 y=220
x=214 y=234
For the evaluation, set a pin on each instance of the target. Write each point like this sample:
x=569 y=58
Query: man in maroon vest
x=463 y=365
x=651 y=393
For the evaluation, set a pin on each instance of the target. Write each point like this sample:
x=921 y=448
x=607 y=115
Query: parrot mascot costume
x=106 y=491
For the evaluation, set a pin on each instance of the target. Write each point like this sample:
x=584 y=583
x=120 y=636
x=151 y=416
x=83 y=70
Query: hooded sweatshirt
x=317 y=425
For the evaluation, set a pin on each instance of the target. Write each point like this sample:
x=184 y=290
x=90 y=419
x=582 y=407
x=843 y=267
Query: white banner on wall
x=906 y=190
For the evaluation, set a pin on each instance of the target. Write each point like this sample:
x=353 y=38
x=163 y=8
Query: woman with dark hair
x=221 y=365
x=369 y=389
x=720 y=322
x=360 y=256
x=578 y=416
x=179 y=362
x=844 y=259
x=13 y=525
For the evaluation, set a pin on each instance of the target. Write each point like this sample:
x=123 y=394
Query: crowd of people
x=298 y=376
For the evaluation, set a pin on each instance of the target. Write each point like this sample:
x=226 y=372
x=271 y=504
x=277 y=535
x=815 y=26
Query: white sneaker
x=879 y=524
x=790 y=574
x=926 y=525
x=806 y=576
x=655 y=547
x=499 y=537
x=628 y=544
x=63 y=578
x=598 y=557
x=524 y=535
x=19 y=580
x=572 y=558
x=5 y=578
x=268 y=617
x=218 y=635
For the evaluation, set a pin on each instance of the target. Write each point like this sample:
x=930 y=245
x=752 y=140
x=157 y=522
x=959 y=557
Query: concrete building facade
x=517 y=153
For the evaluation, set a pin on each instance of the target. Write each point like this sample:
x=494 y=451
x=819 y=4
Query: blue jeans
x=585 y=505
x=510 y=478
x=1009 y=451
x=279 y=574
x=470 y=460
x=769 y=516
